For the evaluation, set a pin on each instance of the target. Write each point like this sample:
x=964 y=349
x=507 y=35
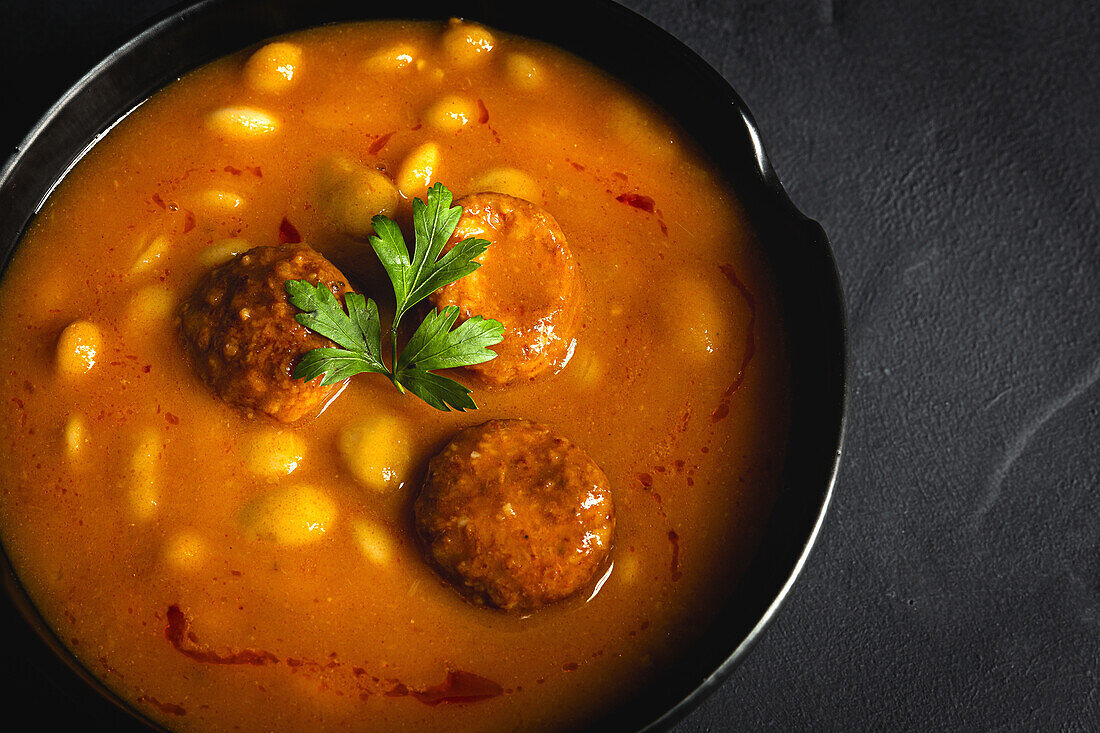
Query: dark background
x=952 y=152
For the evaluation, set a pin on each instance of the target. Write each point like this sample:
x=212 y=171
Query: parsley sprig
x=436 y=343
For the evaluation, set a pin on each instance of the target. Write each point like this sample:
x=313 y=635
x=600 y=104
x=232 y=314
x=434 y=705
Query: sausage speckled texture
x=515 y=516
x=527 y=281
x=241 y=332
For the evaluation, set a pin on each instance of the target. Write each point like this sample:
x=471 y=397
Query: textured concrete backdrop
x=951 y=151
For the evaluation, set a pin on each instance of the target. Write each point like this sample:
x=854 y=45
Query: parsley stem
x=393 y=358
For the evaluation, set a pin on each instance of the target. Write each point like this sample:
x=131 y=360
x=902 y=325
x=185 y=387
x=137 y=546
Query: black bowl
x=653 y=62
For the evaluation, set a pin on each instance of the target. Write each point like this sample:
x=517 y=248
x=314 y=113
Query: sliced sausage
x=527 y=281
x=240 y=330
x=515 y=516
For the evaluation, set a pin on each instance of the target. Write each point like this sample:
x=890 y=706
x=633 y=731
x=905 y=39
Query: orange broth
x=127 y=490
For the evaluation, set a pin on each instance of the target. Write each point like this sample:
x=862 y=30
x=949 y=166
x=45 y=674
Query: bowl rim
x=770 y=188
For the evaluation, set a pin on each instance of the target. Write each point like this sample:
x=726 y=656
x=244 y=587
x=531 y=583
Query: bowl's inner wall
x=654 y=63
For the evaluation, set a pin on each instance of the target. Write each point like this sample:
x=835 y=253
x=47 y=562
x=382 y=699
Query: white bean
x=293 y=515
x=78 y=348
x=241 y=122
x=394 y=58
x=275 y=453
x=222 y=251
x=511 y=181
x=350 y=195
x=451 y=113
x=185 y=551
x=377 y=452
x=75 y=436
x=467 y=44
x=418 y=169
x=522 y=71
x=374 y=540
x=144 y=475
x=273 y=67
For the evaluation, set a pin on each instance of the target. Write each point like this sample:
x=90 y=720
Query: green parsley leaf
x=357 y=330
x=335 y=364
x=436 y=346
x=436 y=343
x=434 y=222
x=439 y=392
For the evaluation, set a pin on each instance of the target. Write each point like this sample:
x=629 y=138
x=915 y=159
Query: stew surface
x=221 y=570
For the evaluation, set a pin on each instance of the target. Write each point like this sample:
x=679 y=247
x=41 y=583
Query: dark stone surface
x=951 y=151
